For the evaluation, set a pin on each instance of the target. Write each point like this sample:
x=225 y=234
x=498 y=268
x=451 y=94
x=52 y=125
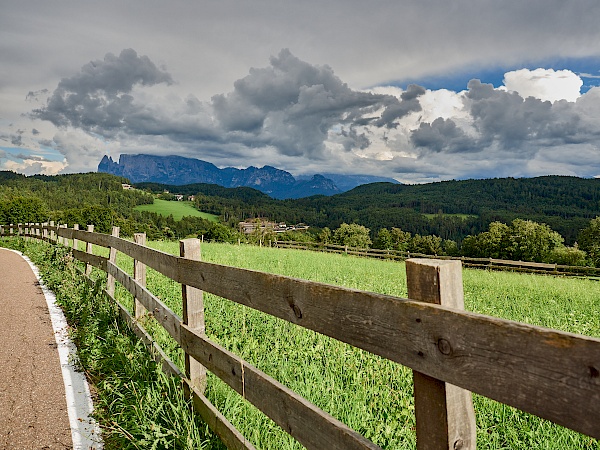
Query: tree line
x=545 y=219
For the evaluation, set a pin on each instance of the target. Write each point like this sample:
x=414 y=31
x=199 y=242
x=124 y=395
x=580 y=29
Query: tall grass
x=370 y=394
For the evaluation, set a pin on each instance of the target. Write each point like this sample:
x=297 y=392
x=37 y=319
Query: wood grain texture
x=444 y=413
x=157 y=353
x=549 y=373
x=170 y=321
x=230 y=436
x=193 y=314
x=91 y=260
x=139 y=274
x=112 y=257
x=312 y=427
x=217 y=422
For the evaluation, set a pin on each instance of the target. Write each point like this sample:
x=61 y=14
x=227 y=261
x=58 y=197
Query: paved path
x=33 y=409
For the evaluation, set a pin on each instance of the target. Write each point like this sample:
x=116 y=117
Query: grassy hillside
x=177 y=209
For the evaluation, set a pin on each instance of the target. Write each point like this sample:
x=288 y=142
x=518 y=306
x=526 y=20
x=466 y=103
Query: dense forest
x=546 y=219
x=449 y=209
x=90 y=198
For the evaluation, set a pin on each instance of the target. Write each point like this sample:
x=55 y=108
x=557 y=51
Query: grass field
x=370 y=394
x=177 y=209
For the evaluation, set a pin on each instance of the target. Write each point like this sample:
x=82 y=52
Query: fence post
x=193 y=313
x=139 y=275
x=52 y=231
x=112 y=257
x=75 y=241
x=88 y=249
x=65 y=241
x=45 y=231
x=444 y=413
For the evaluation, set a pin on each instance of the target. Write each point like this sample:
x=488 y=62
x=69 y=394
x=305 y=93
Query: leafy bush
x=522 y=240
x=589 y=241
x=568 y=256
x=352 y=235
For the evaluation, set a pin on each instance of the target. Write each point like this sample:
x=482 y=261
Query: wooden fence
x=478 y=263
x=452 y=352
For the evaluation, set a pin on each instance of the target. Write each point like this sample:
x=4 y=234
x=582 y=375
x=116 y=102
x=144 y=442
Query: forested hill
x=550 y=195
x=449 y=209
x=565 y=203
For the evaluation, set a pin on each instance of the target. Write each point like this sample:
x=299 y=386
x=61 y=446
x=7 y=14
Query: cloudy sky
x=418 y=90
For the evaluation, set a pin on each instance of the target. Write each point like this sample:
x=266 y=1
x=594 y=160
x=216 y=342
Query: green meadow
x=368 y=393
x=371 y=394
x=177 y=209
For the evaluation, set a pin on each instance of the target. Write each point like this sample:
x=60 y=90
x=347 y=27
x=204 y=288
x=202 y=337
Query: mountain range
x=277 y=183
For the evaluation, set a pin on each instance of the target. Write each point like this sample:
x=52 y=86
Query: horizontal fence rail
x=477 y=263
x=549 y=373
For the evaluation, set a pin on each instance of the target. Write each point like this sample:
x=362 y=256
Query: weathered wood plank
x=312 y=427
x=75 y=241
x=157 y=353
x=139 y=274
x=217 y=422
x=444 y=413
x=88 y=249
x=193 y=313
x=518 y=364
x=90 y=259
x=170 y=321
x=545 y=372
x=112 y=257
x=230 y=436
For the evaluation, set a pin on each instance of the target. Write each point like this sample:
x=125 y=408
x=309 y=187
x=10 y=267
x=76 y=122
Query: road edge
x=85 y=432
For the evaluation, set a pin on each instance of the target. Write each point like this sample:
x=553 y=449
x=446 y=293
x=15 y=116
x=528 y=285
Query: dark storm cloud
x=35 y=95
x=442 y=135
x=97 y=99
x=17 y=140
x=397 y=110
x=508 y=122
x=46 y=142
x=291 y=106
x=511 y=120
x=30 y=157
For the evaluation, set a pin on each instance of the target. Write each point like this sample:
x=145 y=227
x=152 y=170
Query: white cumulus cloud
x=544 y=84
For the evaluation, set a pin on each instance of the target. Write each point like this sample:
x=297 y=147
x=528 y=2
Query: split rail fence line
x=452 y=352
x=477 y=263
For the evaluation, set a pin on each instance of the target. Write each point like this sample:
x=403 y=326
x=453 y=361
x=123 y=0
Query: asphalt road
x=33 y=408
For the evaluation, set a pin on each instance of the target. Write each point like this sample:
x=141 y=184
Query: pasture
x=371 y=394
x=177 y=209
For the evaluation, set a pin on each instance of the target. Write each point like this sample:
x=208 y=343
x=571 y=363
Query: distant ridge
x=277 y=183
